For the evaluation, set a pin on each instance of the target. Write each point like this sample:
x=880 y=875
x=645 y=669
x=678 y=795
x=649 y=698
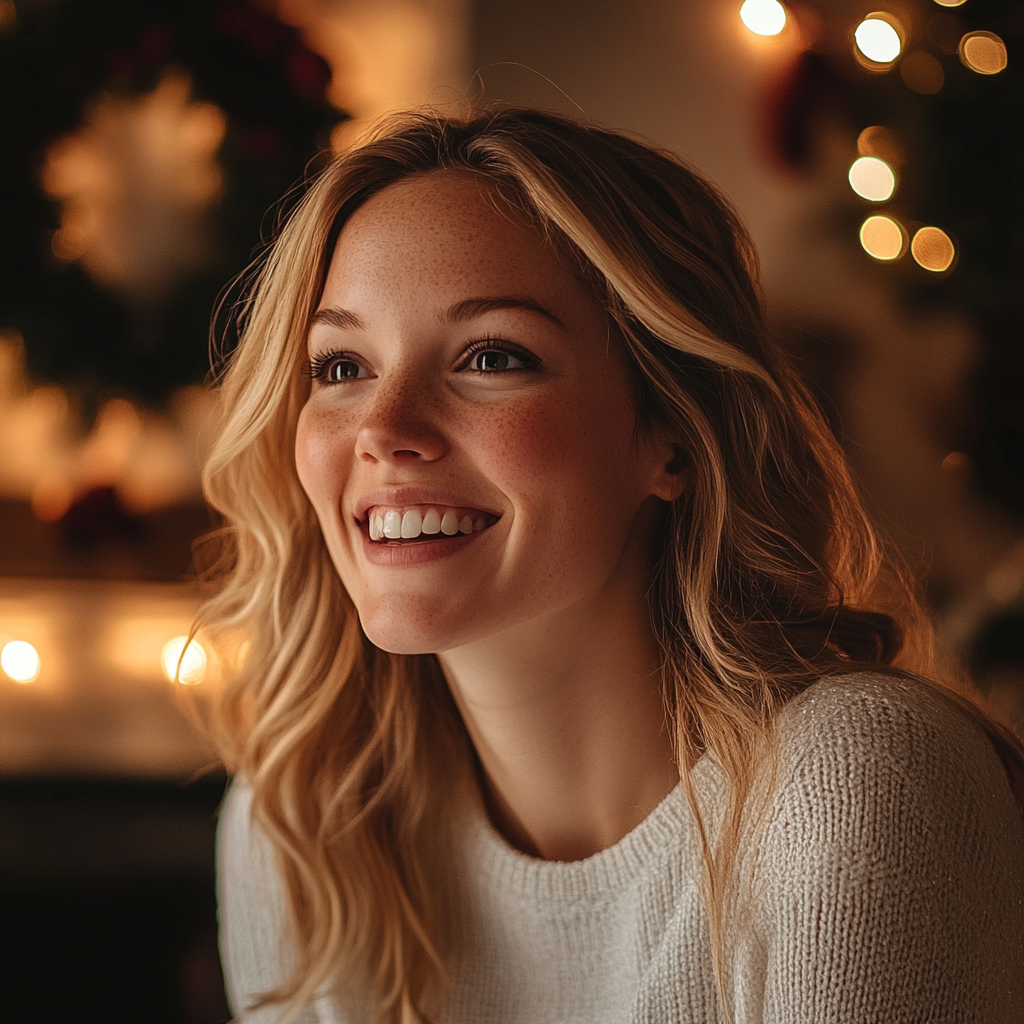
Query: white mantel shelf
x=101 y=705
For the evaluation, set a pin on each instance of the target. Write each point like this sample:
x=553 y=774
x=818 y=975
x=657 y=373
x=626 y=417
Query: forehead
x=446 y=232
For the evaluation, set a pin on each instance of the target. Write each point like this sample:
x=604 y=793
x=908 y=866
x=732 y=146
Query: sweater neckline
x=667 y=831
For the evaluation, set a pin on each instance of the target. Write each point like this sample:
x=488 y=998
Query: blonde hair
x=770 y=576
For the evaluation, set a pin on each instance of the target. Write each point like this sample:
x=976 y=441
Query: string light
x=189 y=667
x=763 y=17
x=883 y=238
x=983 y=52
x=872 y=178
x=933 y=249
x=879 y=39
x=20 y=661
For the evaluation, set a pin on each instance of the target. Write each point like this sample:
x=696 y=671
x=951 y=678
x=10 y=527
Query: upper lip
x=396 y=497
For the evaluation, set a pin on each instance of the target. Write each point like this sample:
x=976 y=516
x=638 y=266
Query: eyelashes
x=319 y=367
x=335 y=366
x=526 y=359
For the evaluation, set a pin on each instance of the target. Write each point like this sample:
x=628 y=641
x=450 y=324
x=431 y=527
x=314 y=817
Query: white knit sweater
x=888 y=887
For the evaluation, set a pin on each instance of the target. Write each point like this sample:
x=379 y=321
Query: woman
x=578 y=686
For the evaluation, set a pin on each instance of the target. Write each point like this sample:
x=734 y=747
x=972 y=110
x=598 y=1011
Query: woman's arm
x=890 y=879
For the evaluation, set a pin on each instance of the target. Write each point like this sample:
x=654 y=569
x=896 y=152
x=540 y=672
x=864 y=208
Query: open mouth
x=410 y=524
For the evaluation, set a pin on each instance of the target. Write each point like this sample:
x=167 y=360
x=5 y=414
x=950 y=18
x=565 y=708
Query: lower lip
x=422 y=552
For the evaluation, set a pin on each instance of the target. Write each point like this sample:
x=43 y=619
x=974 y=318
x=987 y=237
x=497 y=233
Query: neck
x=567 y=719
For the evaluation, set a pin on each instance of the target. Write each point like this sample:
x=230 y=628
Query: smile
x=424 y=522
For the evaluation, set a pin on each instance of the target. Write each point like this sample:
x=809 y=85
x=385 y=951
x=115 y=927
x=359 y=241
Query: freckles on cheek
x=525 y=439
x=319 y=441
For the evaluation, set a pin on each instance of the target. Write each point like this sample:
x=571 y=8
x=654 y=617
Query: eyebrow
x=467 y=309
x=343 y=319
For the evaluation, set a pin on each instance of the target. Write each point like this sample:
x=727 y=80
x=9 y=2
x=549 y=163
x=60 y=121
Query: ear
x=673 y=473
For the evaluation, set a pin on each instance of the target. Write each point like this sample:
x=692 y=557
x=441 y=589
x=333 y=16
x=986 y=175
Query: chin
x=400 y=630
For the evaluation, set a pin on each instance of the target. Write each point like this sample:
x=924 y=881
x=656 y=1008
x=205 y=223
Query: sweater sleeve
x=890 y=877
x=253 y=946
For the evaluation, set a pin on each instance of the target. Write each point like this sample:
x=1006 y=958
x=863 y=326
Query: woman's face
x=468 y=443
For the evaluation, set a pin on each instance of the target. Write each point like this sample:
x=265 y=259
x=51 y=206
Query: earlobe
x=673 y=476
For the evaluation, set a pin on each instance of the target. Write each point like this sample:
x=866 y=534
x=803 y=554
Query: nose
x=403 y=424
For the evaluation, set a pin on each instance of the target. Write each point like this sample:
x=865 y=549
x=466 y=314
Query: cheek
x=517 y=440
x=575 y=442
x=319 y=444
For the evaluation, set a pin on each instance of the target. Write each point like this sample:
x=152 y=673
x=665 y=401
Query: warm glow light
x=764 y=17
x=188 y=668
x=882 y=238
x=20 y=661
x=879 y=141
x=956 y=462
x=950 y=3
x=933 y=249
x=983 y=52
x=922 y=72
x=872 y=178
x=877 y=39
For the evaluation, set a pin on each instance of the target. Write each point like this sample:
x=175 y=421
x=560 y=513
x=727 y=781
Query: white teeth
x=432 y=522
x=392 y=525
x=450 y=523
x=412 y=521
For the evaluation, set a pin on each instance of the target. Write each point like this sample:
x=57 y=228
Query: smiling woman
x=579 y=687
x=445 y=398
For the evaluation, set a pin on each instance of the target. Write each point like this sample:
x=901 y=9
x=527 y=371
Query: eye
x=492 y=356
x=335 y=368
x=344 y=369
x=495 y=360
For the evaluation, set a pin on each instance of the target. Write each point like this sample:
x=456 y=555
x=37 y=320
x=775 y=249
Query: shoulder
x=874 y=717
x=245 y=860
x=255 y=943
x=894 y=748
x=251 y=908
x=892 y=855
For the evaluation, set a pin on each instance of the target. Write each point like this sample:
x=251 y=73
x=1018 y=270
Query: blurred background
x=147 y=152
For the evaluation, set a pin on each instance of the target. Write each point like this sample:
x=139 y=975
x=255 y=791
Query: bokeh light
x=764 y=17
x=922 y=72
x=878 y=38
x=883 y=238
x=933 y=249
x=20 y=661
x=956 y=462
x=983 y=52
x=872 y=178
x=188 y=668
x=878 y=141
x=950 y=3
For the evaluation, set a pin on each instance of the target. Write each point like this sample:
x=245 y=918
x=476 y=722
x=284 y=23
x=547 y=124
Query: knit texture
x=887 y=886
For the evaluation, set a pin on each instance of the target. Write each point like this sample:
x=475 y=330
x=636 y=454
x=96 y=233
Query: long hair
x=769 y=576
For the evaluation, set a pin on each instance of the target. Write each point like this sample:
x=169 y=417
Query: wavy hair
x=769 y=576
